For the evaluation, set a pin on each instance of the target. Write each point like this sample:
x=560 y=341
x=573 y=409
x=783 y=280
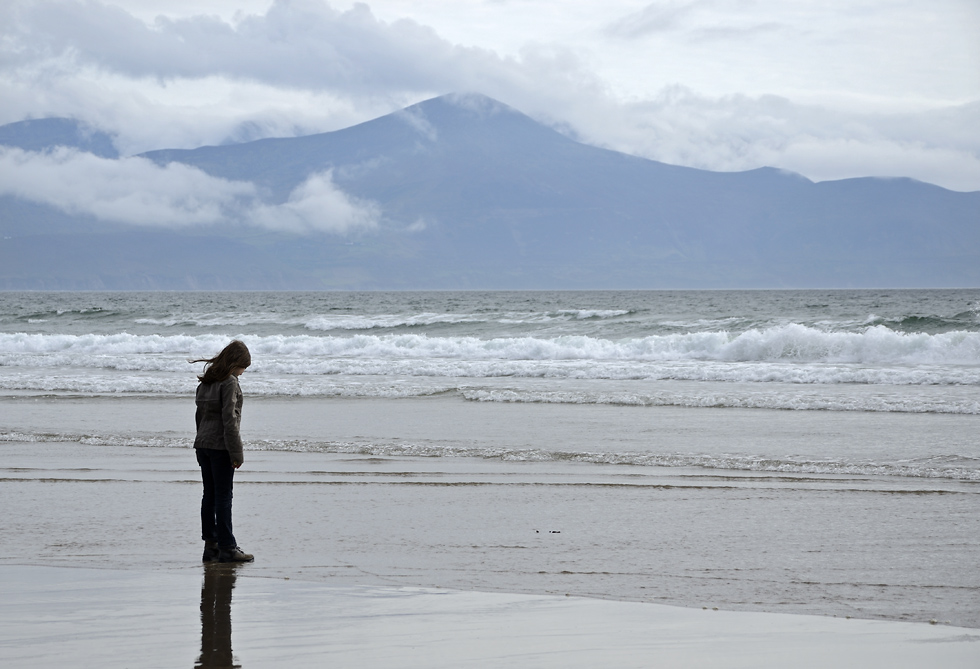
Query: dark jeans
x=217 y=473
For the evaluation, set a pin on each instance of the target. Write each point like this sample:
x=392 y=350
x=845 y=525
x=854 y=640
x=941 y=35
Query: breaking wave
x=791 y=343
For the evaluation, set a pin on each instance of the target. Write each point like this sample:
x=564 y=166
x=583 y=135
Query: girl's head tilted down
x=233 y=358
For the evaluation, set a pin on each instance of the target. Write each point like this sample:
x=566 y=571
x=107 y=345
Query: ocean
x=833 y=351
x=808 y=451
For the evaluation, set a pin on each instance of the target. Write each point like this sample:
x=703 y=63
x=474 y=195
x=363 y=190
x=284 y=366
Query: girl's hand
x=236 y=464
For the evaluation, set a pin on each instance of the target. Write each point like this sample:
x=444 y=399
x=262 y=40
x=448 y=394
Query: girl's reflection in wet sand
x=219 y=581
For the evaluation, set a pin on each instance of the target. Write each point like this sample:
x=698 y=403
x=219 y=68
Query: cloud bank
x=299 y=43
x=742 y=132
x=302 y=66
x=136 y=191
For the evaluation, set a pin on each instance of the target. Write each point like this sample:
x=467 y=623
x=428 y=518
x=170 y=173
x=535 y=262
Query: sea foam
x=790 y=343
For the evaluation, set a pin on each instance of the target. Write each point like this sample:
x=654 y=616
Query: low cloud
x=186 y=113
x=130 y=190
x=136 y=191
x=317 y=205
x=734 y=133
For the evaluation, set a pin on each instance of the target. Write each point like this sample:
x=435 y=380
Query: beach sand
x=57 y=617
x=372 y=561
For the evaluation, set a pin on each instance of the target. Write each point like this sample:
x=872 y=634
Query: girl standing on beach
x=219 y=448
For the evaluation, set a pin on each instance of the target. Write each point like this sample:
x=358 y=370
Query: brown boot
x=234 y=554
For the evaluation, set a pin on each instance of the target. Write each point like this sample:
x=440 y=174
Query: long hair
x=219 y=367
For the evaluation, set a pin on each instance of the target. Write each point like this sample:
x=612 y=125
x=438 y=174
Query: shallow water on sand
x=383 y=502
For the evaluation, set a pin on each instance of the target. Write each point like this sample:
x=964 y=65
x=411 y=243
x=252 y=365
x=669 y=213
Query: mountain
x=48 y=133
x=474 y=194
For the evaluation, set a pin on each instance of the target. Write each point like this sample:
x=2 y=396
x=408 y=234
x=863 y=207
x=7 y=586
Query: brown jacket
x=219 y=416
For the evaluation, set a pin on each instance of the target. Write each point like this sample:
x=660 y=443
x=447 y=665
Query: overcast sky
x=827 y=88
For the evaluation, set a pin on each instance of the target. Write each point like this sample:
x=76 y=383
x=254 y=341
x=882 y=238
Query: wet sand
x=405 y=561
x=57 y=617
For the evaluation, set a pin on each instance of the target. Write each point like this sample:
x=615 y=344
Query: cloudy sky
x=827 y=88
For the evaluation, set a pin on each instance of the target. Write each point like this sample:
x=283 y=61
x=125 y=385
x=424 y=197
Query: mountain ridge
x=474 y=194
